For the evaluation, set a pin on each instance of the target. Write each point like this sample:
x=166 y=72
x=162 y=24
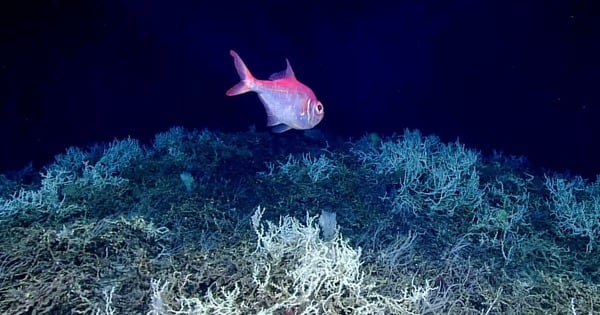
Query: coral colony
x=199 y=222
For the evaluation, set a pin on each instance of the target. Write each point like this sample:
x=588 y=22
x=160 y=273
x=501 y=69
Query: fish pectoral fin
x=280 y=128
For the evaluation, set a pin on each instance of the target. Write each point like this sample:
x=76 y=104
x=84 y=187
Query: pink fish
x=289 y=104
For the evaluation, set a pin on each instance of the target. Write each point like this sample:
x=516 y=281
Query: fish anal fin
x=272 y=120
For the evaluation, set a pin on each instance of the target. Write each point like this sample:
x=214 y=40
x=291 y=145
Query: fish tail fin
x=246 y=77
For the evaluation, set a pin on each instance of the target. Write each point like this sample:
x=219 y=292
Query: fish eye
x=319 y=107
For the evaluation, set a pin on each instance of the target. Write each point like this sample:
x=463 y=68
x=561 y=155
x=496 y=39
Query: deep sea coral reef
x=202 y=222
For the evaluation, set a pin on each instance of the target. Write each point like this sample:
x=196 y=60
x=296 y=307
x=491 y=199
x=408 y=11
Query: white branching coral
x=296 y=270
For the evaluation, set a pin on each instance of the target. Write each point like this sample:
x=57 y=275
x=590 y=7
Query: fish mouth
x=317 y=119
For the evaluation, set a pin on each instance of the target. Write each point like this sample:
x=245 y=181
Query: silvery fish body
x=289 y=103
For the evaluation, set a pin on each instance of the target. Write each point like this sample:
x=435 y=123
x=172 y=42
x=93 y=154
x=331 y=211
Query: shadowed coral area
x=203 y=222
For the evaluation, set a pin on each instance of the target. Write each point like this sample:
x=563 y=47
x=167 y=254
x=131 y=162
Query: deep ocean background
x=522 y=77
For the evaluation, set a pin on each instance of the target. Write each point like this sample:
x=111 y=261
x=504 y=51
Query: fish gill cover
x=202 y=222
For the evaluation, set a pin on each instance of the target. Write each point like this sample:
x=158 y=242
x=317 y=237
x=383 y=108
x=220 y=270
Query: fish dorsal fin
x=287 y=73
